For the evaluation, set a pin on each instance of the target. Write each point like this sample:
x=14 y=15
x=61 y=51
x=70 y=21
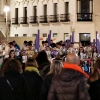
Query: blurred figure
x=30 y=52
x=16 y=45
x=71 y=83
x=11 y=47
x=94 y=82
x=43 y=63
x=43 y=46
x=24 y=47
x=12 y=54
x=55 y=69
x=33 y=78
x=13 y=85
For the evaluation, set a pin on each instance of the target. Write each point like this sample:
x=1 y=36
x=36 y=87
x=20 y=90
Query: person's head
x=56 y=67
x=11 y=65
x=43 y=43
x=31 y=63
x=30 y=46
x=58 y=45
x=55 y=54
x=72 y=59
x=72 y=44
x=47 y=48
x=51 y=41
x=11 y=44
x=42 y=58
x=95 y=49
x=25 y=42
x=81 y=49
x=46 y=43
x=31 y=42
x=12 y=54
x=14 y=42
x=63 y=45
x=96 y=71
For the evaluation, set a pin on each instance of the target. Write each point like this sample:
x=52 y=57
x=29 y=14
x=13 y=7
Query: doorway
x=85 y=38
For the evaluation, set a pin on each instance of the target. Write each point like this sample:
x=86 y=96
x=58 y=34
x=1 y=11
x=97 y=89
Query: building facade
x=3 y=27
x=61 y=16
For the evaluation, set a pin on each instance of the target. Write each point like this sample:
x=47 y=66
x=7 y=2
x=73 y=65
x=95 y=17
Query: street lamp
x=6 y=10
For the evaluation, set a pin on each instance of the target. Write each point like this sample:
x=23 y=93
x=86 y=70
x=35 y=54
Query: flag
x=73 y=37
x=37 y=41
x=49 y=38
x=70 y=38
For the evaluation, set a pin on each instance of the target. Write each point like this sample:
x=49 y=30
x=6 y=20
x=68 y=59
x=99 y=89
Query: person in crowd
x=11 y=47
x=52 y=43
x=13 y=85
x=47 y=50
x=43 y=63
x=59 y=47
x=16 y=45
x=24 y=47
x=24 y=60
x=43 y=46
x=46 y=43
x=30 y=52
x=64 y=50
x=71 y=49
x=33 y=78
x=94 y=82
x=71 y=83
x=94 y=54
x=12 y=54
x=1 y=52
x=55 y=69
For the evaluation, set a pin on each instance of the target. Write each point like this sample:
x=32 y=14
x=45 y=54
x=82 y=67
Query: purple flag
x=49 y=38
x=73 y=37
x=96 y=38
x=98 y=45
x=93 y=42
x=70 y=38
x=37 y=41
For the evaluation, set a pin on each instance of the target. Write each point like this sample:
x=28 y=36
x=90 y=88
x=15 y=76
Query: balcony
x=43 y=19
x=33 y=19
x=64 y=18
x=15 y=21
x=23 y=20
x=84 y=16
x=54 y=18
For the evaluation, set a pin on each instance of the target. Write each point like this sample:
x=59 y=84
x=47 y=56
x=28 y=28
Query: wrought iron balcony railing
x=33 y=19
x=64 y=18
x=43 y=19
x=14 y=20
x=84 y=16
x=54 y=18
x=23 y=20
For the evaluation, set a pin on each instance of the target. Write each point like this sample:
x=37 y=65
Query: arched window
x=84 y=10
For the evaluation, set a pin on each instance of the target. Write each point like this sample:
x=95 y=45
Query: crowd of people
x=55 y=72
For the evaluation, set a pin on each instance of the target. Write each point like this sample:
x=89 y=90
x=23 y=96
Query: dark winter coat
x=44 y=69
x=14 y=87
x=69 y=85
x=94 y=90
x=45 y=87
x=34 y=82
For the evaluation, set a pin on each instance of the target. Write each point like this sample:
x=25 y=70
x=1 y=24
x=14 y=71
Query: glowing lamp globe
x=6 y=9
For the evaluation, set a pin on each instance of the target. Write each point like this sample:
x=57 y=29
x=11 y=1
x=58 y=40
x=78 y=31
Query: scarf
x=29 y=68
x=76 y=68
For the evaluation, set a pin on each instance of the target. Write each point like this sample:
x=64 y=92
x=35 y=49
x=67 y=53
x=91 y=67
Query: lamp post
x=6 y=10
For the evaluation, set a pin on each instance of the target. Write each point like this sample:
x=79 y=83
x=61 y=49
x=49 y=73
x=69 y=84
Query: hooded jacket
x=71 y=84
